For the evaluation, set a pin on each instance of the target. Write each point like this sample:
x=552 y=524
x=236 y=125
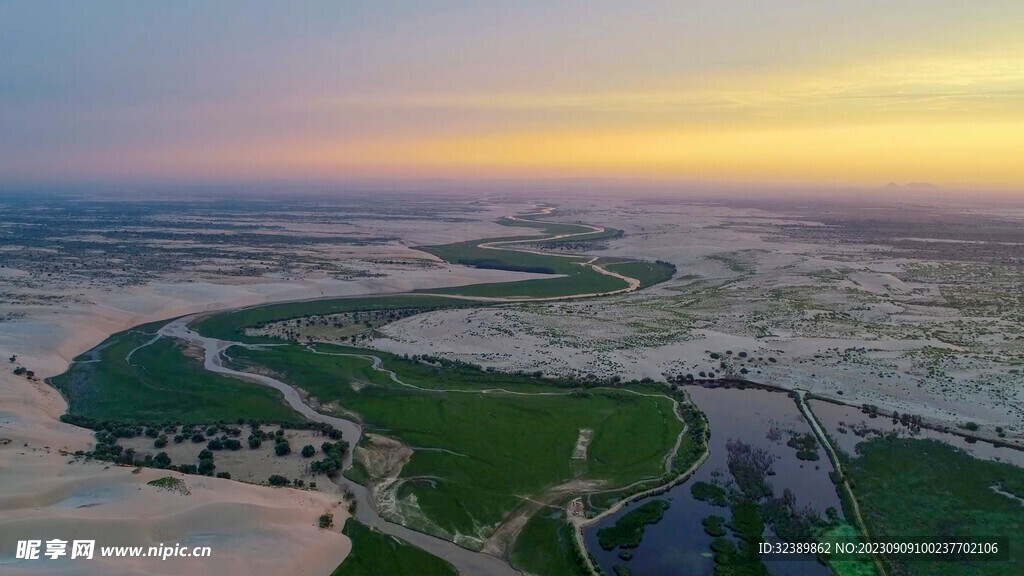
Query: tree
x=160 y=442
x=308 y=450
x=282 y=449
x=161 y=460
x=326 y=520
x=206 y=466
x=278 y=480
x=255 y=441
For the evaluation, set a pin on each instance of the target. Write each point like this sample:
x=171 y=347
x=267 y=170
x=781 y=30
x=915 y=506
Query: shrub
x=161 y=460
x=278 y=480
x=308 y=451
x=326 y=520
x=282 y=449
x=255 y=441
x=206 y=466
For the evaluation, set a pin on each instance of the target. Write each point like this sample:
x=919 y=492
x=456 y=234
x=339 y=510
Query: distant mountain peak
x=911 y=186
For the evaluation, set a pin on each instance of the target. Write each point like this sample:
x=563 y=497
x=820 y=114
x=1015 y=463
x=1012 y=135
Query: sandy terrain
x=252 y=529
x=253 y=466
x=799 y=302
x=859 y=322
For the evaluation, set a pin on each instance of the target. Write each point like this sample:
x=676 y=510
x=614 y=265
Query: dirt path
x=805 y=409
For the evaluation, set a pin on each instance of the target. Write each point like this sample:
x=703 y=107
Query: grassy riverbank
x=162 y=381
x=377 y=554
x=475 y=455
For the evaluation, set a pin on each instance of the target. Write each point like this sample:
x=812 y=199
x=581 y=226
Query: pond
x=763 y=419
x=849 y=426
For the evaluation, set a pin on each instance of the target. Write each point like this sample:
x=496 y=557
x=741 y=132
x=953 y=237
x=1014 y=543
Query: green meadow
x=914 y=490
x=546 y=546
x=160 y=383
x=478 y=455
x=377 y=554
x=575 y=277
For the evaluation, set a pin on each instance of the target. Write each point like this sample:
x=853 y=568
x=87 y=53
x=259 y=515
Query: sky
x=853 y=93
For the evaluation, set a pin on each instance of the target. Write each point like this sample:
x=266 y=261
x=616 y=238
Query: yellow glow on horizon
x=961 y=153
x=951 y=120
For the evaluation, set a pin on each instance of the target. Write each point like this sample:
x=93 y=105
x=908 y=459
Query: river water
x=678 y=544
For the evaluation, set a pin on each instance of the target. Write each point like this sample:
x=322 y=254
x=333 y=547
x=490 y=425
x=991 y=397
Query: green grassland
x=845 y=533
x=232 y=325
x=160 y=384
x=479 y=455
x=648 y=273
x=924 y=490
x=546 y=228
x=547 y=546
x=377 y=554
x=576 y=278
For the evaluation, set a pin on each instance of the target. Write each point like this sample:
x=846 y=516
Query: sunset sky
x=786 y=91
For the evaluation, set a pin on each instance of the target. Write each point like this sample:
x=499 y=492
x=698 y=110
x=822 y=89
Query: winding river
x=466 y=561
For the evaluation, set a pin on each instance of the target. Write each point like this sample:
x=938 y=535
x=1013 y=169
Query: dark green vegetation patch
x=546 y=545
x=708 y=492
x=925 y=490
x=628 y=531
x=714 y=526
x=231 y=325
x=377 y=554
x=160 y=383
x=806 y=446
x=648 y=273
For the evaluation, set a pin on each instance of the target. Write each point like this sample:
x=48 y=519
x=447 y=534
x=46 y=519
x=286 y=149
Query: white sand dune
x=45 y=495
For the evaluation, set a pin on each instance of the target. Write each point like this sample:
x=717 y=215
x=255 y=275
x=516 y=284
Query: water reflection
x=844 y=422
x=678 y=544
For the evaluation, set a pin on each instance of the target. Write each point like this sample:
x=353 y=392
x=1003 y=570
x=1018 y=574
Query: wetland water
x=678 y=544
x=843 y=423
